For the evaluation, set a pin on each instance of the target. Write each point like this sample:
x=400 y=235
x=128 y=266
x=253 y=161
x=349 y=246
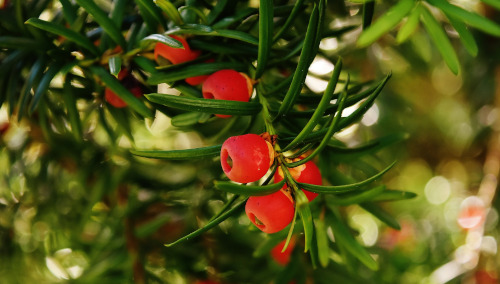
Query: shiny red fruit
x=270 y=213
x=306 y=173
x=228 y=85
x=175 y=55
x=283 y=258
x=246 y=158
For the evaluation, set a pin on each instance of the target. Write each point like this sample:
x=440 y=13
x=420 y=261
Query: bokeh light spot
x=437 y=190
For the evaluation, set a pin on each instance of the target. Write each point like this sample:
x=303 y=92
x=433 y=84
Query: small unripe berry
x=270 y=213
x=175 y=55
x=306 y=173
x=246 y=158
x=282 y=258
x=128 y=82
x=228 y=85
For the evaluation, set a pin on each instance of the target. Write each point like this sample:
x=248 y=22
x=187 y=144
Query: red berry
x=130 y=83
x=246 y=158
x=175 y=55
x=486 y=277
x=4 y=127
x=228 y=85
x=280 y=257
x=270 y=213
x=472 y=213
x=306 y=173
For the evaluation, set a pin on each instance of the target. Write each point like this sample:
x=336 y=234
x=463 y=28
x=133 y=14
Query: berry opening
x=257 y=222
x=226 y=161
x=208 y=95
x=229 y=161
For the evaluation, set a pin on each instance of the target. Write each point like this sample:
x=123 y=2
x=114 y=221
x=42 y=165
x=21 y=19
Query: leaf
x=470 y=18
x=117 y=87
x=265 y=36
x=116 y=15
x=145 y=64
x=345 y=239
x=385 y=23
x=226 y=206
x=118 y=11
x=465 y=35
x=301 y=71
x=322 y=242
x=12 y=86
x=176 y=73
x=11 y=42
x=210 y=224
x=69 y=11
x=409 y=26
x=194 y=11
x=320 y=108
x=302 y=206
x=122 y=118
x=319 y=29
x=151 y=14
x=115 y=65
x=329 y=133
x=203 y=30
x=381 y=215
x=206 y=105
x=104 y=21
x=33 y=77
x=69 y=34
x=345 y=187
x=188 y=90
x=364 y=106
x=186 y=119
x=248 y=190
x=493 y=3
x=298 y=6
x=394 y=195
x=188 y=154
x=355 y=198
x=170 y=41
x=42 y=87
x=368 y=10
x=216 y=11
x=152 y=226
x=170 y=10
x=70 y=103
x=104 y=122
x=441 y=41
x=369 y=148
x=234 y=18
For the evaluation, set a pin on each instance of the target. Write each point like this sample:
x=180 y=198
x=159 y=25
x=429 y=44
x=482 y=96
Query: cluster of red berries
x=247 y=158
x=224 y=84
